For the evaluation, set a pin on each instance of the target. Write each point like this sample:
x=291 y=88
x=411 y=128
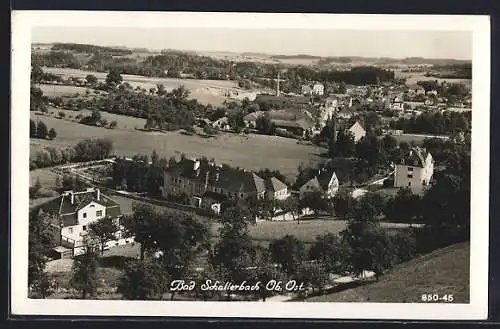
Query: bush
x=62 y=114
x=113 y=124
x=52 y=133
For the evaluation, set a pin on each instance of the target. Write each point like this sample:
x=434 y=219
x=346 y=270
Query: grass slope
x=252 y=152
x=444 y=271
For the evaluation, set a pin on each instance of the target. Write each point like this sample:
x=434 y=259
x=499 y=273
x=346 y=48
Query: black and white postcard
x=223 y=164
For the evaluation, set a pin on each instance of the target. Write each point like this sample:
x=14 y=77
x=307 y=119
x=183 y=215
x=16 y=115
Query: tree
x=344 y=145
x=36 y=73
x=265 y=125
x=113 y=124
x=52 y=133
x=33 y=133
x=369 y=245
x=103 y=230
x=84 y=270
x=288 y=252
x=42 y=130
x=234 y=252
x=91 y=79
x=343 y=204
x=113 y=78
x=403 y=206
x=41 y=239
x=315 y=201
x=313 y=275
x=143 y=280
x=139 y=225
x=236 y=121
x=61 y=114
x=330 y=251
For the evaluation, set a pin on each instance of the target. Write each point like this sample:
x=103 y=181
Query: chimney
x=196 y=165
x=217 y=176
x=72 y=197
x=98 y=194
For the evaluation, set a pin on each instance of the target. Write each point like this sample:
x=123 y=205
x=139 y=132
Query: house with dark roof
x=73 y=212
x=414 y=169
x=325 y=181
x=296 y=127
x=208 y=184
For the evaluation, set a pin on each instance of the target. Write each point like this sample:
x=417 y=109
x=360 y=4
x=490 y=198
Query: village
x=386 y=148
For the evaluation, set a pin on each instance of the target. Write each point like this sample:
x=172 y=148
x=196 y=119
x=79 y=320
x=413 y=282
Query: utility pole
x=278 y=85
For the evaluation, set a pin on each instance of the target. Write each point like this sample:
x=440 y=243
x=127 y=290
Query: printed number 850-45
x=436 y=298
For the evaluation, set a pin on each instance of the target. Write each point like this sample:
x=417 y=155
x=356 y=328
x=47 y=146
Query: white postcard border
x=24 y=21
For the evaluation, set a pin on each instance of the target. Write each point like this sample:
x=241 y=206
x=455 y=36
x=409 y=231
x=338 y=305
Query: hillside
x=444 y=271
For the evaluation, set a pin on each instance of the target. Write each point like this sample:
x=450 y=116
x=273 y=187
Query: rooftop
x=69 y=203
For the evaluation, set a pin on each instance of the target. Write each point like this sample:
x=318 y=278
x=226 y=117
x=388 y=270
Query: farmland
x=412 y=78
x=62 y=90
x=205 y=91
x=252 y=152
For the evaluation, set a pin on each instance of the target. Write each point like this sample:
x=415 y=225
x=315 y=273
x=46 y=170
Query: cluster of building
x=208 y=186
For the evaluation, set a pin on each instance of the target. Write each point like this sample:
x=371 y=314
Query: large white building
x=318 y=89
x=415 y=169
x=73 y=212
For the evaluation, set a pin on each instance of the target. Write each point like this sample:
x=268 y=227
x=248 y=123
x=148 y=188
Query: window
x=410 y=168
x=84 y=215
x=70 y=230
x=409 y=183
x=410 y=175
x=98 y=213
x=84 y=227
x=241 y=195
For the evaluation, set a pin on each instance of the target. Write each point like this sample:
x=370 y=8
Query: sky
x=364 y=43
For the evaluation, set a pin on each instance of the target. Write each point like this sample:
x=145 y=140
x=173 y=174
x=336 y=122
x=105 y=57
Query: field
x=205 y=91
x=444 y=271
x=252 y=152
x=62 y=91
x=413 y=77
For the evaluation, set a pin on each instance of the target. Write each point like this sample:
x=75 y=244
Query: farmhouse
x=357 y=131
x=415 y=169
x=222 y=124
x=297 y=127
x=306 y=90
x=209 y=184
x=251 y=118
x=325 y=182
x=73 y=213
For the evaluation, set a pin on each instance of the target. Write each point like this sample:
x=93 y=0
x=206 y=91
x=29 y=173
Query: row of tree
x=85 y=150
x=445 y=123
x=40 y=130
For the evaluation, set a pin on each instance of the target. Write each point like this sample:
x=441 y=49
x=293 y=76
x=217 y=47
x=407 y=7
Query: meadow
x=51 y=90
x=205 y=91
x=413 y=77
x=251 y=152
